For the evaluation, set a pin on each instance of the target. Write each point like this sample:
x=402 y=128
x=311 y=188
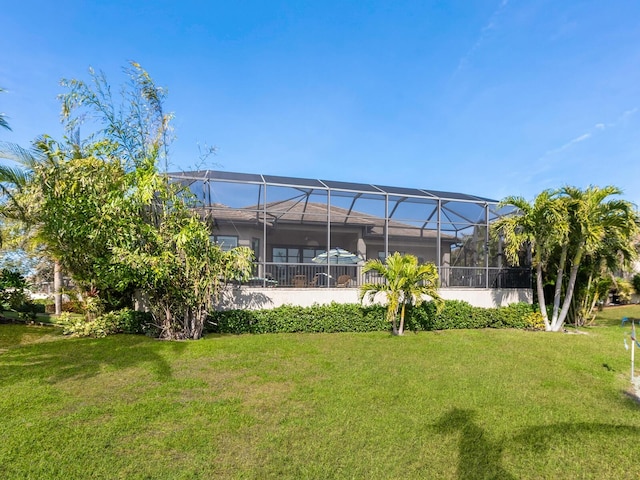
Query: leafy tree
x=406 y=282
x=565 y=229
x=116 y=222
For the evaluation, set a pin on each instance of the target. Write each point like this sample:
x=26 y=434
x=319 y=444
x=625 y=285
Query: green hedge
x=355 y=318
x=335 y=317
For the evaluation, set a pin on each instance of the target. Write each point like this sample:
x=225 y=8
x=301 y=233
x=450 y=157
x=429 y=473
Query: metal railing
x=304 y=275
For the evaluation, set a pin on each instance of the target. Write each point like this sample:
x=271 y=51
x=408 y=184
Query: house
x=290 y=223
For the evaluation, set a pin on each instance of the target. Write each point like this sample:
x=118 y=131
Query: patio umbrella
x=337 y=256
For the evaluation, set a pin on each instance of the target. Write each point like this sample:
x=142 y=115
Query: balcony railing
x=304 y=275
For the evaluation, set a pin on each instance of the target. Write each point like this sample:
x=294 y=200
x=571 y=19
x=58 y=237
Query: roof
x=213 y=175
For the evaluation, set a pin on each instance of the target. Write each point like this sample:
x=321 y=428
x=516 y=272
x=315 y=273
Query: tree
x=597 y=275
x=538 y=226
x=406 y=282
x=115 y=223
x=15 y=181
x=563 y=228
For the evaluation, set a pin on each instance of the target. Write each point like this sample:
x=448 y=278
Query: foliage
x=13 y=290
x=406 y=282
x=458 y=314
x=568 y=230
x=636 y=283
x=112 y=220
x=117 y=321
x=623 y=290
x=335 y=317
x=331 y=318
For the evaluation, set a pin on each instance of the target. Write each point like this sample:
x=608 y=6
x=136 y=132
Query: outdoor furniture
x=343 y=281
x=299 y=281
x=321 y=280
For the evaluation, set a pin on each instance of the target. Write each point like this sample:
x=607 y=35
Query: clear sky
x=489 y=97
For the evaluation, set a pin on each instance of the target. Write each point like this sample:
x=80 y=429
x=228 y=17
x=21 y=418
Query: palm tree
x=596 y=223
x=563 y=227
x=539 y=226
x=14 y=181
x=405 y=282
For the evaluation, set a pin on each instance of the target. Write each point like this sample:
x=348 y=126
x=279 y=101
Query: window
x=295 y=254
x=226 y=242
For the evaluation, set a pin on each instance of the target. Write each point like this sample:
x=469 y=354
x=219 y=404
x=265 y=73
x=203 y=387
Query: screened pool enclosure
x=318 y=233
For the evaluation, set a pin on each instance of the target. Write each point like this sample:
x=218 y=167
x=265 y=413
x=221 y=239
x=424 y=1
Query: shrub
x=73 y=306
x=355 y=318
x=334 y=317
x=117 y=321
x=635 y=281
x=12 y=290
x=31 y=307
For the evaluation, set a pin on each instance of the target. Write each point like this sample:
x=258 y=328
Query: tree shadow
x=83 y=358
x=239 y=298
x=545 y=437
x=479 y=457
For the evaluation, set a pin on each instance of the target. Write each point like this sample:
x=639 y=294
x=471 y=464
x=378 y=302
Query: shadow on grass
x=82 y=358
x=480 y=457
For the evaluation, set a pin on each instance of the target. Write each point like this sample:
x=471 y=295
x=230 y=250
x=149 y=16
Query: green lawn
x=455 y=404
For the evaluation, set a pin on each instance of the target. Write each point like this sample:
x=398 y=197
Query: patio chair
x=300 y=281
x=343 y=281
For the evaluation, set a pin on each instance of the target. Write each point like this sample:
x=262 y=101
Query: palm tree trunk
x=557 y=326
x=557 y=294
x=57 y=286
x=541 y=302
x=401 y=329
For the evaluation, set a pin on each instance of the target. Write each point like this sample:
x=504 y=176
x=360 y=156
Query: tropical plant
x=15 y=182
x=406 y=282
x=539 y=227
x=566 y=228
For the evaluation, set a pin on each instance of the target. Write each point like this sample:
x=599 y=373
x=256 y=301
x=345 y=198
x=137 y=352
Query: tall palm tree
x=563 y=227
x=405 y=282
x=596 y=223
x=539 y=226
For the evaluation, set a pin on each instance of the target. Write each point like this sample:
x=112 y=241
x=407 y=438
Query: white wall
x=256 y=298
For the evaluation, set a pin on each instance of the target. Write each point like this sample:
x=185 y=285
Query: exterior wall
x=248 y=298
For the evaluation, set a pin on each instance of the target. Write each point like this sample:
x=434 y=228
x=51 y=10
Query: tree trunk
x=401 y=329
x=557 y=295
x=541 y=303
x=557 y=326
x=57 y=286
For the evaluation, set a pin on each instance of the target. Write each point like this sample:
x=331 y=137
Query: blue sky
x=489 y=97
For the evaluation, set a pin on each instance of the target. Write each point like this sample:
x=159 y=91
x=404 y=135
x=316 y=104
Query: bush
x=334 y=317
x=355 y=318
x=12 y=290
x=73 y=306
x=635 y=281
x=117 y=321
x=31 y=307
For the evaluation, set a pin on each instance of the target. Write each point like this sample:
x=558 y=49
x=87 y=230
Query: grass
x=454 y=404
